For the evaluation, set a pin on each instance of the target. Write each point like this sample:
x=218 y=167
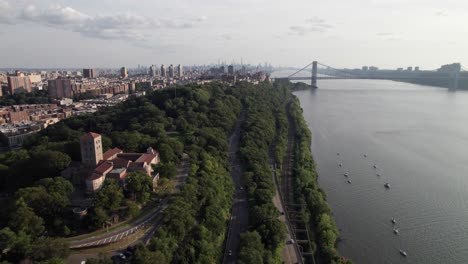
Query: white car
x=122 y=256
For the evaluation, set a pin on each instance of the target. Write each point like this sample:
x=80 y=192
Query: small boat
x=338 y=154
x=403 y=253
x=346 y=174
x=365 y=156
x=341 y=165
x=396 y=231
x=349 y=181
x=393 y=220
x=378 y=175
x=387 y=185
x=375 y=166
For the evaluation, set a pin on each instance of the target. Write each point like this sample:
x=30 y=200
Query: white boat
x=349 y=181
x=403 y=253
x=387 y=185
x=393 y=220
x=346 y=174
x=396 y=231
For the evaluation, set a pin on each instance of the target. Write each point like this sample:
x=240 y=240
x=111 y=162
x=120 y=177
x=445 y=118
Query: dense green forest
x=264 y=124
x=198 y=122
x=36 y=97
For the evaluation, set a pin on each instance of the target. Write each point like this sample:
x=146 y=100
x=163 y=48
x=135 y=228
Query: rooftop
x=90 y=135
x=146 y=158
x=111 y=152
x=103 y=168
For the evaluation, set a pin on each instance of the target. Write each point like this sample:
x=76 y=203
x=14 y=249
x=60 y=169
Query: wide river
x=418 y=138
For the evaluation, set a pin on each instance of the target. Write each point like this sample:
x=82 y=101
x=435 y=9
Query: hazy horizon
x=353 y=33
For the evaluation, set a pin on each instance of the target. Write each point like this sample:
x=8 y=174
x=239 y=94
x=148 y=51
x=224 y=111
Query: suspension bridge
x=450 y=79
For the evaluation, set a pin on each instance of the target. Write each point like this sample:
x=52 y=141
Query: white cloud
x=201 y=18
x=120 y=26
x=5 y=15
x=54 y=15
x=441 y=13
x=389 y=36
x=226 y=36
x=314 y=24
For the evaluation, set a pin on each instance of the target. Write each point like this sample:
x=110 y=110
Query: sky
x=339 y=33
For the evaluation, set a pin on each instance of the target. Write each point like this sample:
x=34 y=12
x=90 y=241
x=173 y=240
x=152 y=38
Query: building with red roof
x=113 y=164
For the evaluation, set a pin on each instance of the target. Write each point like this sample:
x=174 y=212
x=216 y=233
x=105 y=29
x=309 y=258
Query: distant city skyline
x=349 y=34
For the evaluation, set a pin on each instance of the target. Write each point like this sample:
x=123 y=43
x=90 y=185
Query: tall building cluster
x=169 y=72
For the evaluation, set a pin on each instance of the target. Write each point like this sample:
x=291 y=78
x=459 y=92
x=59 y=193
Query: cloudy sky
x=341 y=33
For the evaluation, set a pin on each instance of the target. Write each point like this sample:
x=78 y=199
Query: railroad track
x=286 y=171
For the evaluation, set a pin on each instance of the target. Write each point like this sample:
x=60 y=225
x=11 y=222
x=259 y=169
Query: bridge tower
x=314 y=75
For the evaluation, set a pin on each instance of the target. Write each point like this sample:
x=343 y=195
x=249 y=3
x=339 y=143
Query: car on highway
x=290 y=241
x=230 y=253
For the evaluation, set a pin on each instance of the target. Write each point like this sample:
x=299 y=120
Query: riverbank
x=309 y=195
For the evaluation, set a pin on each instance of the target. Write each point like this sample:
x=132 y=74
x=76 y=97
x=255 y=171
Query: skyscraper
x=163 y=70
x=123 y=72
x=88 y=73
x=153 y=70
x=171 y=71
x=230 y=69
x=180 y=71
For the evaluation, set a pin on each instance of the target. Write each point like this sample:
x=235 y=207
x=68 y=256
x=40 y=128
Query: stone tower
x=91 y=149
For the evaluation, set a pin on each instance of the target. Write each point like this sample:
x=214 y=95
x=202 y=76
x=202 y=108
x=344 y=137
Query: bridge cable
x=299 y=70
x=343 y=71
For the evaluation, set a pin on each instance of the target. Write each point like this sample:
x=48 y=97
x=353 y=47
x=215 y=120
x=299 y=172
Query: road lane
x=239 y=221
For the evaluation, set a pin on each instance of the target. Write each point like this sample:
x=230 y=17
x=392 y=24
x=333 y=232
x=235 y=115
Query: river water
x=418 y=138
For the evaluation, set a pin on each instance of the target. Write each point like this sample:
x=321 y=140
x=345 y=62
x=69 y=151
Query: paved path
x=240 y=209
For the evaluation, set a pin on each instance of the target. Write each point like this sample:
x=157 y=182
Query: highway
x=240 y=210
